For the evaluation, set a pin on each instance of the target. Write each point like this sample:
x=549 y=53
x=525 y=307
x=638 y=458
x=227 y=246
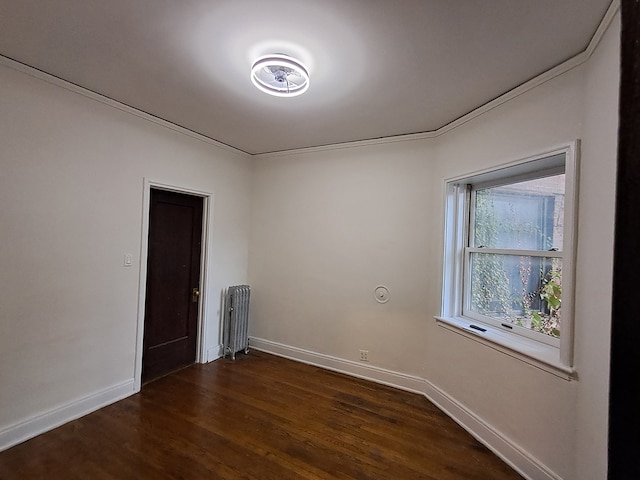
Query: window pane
x=519 y=290
x=525 y=215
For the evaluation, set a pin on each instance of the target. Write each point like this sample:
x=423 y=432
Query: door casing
x=207 y=221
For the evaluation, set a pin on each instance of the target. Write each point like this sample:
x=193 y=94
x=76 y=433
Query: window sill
x=544 y=357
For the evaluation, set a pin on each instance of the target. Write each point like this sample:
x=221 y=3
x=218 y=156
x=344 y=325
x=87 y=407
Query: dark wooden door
x=624 y=394
x=173 y=276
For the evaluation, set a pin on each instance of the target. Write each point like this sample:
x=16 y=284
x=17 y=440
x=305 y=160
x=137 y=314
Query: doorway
x=172 y=282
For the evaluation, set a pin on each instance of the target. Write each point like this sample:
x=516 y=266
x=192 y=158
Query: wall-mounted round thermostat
x=382 y=294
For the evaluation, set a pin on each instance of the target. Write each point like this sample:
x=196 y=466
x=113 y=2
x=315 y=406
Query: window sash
x=513 y=328
x=522 y=177
x=516 y=252
x=473 y=187
x=466 y=273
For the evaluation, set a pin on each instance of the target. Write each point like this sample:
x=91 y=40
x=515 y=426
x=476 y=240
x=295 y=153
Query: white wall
x=327 y=229
x=595 y=249
x=71 y=194
x=328 y=225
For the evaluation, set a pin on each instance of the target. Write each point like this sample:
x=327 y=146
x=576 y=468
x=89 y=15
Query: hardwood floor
x=260 y=417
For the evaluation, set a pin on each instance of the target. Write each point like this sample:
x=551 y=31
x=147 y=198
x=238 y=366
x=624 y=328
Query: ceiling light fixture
x=280 y=75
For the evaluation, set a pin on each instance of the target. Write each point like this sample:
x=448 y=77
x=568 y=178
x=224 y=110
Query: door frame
x=207 y=222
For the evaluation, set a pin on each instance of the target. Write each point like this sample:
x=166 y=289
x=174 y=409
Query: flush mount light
x=280 y=75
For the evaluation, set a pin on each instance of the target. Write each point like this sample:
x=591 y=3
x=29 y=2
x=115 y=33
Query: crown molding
x=85 y=92
x=550 y=74
x=554 y=72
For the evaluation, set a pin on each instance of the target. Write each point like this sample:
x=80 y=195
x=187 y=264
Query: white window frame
x=553 y=355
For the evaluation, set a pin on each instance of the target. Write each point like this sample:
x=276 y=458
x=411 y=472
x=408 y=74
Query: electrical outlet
x=364 y=355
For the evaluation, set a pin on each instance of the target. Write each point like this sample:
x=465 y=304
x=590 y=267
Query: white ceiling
x=378 y=68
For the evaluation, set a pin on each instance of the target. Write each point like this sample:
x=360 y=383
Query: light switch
x=128 y=259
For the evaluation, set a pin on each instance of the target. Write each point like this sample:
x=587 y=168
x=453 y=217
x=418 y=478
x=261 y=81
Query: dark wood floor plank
x=258 y=417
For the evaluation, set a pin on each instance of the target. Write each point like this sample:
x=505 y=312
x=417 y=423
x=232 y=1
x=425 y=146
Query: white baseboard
x=213 y=353
x=511 y=453
x=507 y=450
x=46 y=421
x=355 y=369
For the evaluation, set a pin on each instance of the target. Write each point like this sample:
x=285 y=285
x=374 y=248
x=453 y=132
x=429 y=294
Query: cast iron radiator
x=236 y=320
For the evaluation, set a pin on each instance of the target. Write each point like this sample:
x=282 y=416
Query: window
x=508 y=266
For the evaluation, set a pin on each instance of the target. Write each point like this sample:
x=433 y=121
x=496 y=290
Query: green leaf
x=537 y=321
x=553 y=302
